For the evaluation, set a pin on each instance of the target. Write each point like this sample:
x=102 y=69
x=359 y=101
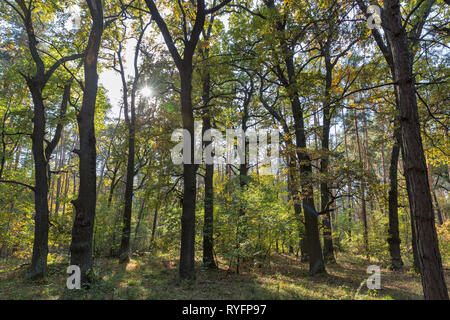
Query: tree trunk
x=363 y=194
x=187 y=251
x=155 y=221
x=41 y=218
x=316 y=262
x=393 y=231
x=83 y=227
x=438 y=209
x=328 y=250
x=139 y=219
x=208 y=223
x=433 y=280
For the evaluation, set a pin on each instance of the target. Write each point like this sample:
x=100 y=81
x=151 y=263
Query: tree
x=287 y=75
x=401 y=48
x=84 y=205
x=185 y=69
x=130 y=119
x=36 y=84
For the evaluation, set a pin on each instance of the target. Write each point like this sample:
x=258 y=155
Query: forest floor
x=155 y=277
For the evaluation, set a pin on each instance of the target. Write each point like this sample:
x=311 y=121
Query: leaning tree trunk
x=316 y=262
x=83 y=227
x=433 y=280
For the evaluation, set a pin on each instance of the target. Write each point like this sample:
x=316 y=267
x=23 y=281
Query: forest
x=224 y=149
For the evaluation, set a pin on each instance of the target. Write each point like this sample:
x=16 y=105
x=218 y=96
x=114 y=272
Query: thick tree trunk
x=187 y=251
x=41 y=153
x=41 y=218
x=433 y=281
x=41 y=157
x=83 y=227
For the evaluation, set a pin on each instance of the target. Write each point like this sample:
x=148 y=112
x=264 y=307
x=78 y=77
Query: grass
x=155 y=277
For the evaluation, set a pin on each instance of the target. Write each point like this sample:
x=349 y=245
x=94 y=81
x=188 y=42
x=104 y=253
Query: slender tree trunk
x=295 y=195
x=60 y=178
x=349 y=185
x=139 y=219
x=155 y=221
x=328 y=250
x=208 y=223
x=438 y=209
x=393 y=231
x=363 y=194
x=124 y=251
